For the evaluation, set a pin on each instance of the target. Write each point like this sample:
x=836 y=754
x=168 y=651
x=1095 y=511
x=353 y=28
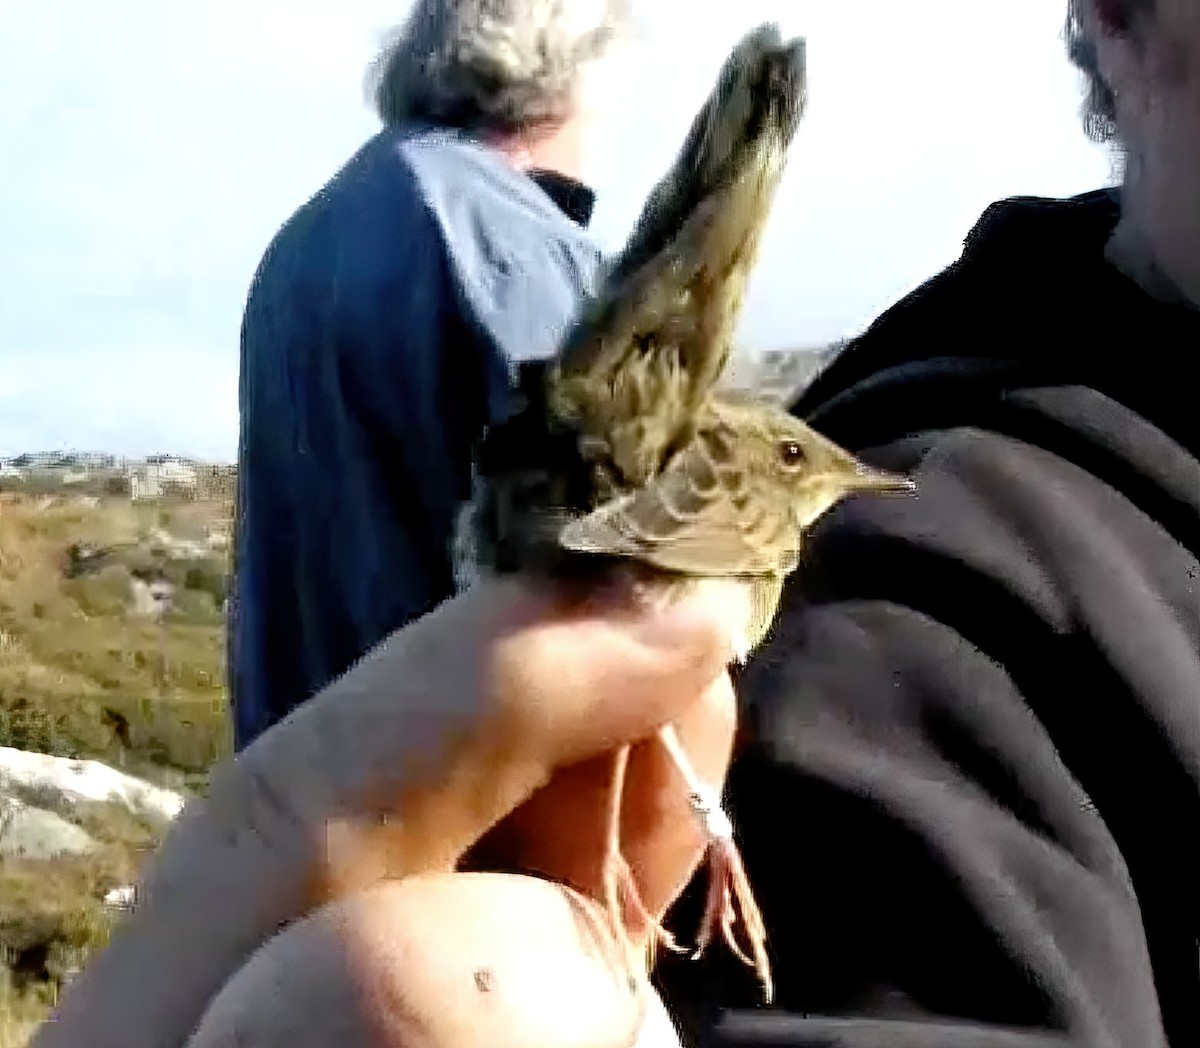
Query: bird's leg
x=616 y=869
x=619 y=883
x=729 y=892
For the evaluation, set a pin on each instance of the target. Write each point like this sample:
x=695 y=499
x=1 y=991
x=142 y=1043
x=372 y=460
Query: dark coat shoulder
x=970 y=776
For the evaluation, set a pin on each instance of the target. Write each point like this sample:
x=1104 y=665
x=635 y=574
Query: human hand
x=561 y=831
x=410 y=758
x=560 y=679
x=510 y=690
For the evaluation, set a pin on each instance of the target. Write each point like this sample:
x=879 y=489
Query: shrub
x=207 y=579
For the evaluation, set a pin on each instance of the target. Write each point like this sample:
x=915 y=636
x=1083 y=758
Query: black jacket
x=969 y=792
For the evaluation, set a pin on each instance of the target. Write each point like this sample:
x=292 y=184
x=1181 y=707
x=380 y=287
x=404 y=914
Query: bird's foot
x=730 y=896
x=621 y=891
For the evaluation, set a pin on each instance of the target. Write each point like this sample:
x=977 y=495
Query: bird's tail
x=626 y=388
x=756 y=102
x=661 y=329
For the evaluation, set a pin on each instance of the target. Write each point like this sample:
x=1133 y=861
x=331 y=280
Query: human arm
x=433 y=737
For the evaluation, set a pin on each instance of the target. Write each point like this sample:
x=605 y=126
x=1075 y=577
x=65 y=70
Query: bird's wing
x=655 y=341
x=697 y=518
x=720 y=132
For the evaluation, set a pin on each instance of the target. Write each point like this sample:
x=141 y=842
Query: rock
x=30 y=831
x=27 y=832
x=150 y=599
x=64 y=779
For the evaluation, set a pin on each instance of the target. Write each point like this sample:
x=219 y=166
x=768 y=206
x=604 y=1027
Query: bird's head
x=783 y=455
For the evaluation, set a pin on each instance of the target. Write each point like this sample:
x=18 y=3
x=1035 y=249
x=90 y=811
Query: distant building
x=216 y=482
x=162 y=476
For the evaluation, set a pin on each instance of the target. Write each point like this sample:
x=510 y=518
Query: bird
x=624 y=453
x=735 y=502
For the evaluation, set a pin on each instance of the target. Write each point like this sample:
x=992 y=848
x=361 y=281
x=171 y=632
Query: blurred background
x=152 y=149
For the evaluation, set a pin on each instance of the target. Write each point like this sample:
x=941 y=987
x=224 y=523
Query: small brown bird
x=621 y=453
x=734 y=502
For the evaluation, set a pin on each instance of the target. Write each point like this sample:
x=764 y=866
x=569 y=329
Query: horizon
x=65 y=451
x=127 y=255
x=84 y=454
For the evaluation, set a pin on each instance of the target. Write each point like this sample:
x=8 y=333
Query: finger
x=560 y=832
x=585 y=680
x=456 y=961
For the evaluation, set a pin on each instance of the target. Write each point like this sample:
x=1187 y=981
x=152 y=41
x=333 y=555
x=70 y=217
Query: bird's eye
x=791 y=454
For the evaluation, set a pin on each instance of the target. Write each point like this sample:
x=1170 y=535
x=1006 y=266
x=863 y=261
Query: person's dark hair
x=1099 y=106
x=492 y=65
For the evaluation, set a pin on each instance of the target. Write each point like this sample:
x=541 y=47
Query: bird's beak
x=867 y=478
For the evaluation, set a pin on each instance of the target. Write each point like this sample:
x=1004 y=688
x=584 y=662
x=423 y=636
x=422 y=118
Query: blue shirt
x=378 y=341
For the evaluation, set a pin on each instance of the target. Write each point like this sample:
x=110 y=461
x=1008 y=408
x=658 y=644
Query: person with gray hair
x=506 y=67
x=968 y=787
x=383 y=323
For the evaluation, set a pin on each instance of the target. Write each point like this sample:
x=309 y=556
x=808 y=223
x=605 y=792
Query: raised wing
x=653 y=344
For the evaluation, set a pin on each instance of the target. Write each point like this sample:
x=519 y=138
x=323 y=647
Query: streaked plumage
x=733 y=502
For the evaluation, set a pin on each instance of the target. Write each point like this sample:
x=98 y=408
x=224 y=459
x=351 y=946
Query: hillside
x=81 y=672
x=87 y=670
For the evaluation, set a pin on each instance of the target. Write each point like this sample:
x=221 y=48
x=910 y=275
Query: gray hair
x=494 y=65
x=1100 y=104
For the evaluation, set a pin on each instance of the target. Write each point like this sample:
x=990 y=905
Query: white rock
x=86 y=780
x=27 y=832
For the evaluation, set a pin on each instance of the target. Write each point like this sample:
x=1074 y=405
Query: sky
x=151 y=150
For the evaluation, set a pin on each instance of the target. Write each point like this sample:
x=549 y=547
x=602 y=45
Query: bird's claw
x=729 y=894
x=621 y=890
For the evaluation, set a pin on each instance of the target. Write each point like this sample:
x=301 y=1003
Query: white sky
x=151 y=148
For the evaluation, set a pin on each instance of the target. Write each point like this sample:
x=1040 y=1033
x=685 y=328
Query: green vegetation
x=83 y=674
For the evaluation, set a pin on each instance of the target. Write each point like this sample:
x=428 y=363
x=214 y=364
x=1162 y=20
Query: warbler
x=624 y=451
x=734 y=502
